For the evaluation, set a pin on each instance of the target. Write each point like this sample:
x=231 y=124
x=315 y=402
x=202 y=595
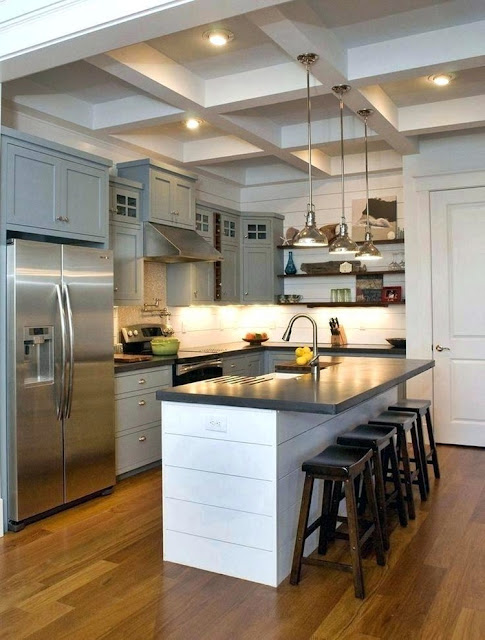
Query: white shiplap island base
x=232 y=478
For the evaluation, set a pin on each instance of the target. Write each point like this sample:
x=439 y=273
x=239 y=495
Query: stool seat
x=374 y=435
x=400 y=418
x=336 y=460
x=410 y=404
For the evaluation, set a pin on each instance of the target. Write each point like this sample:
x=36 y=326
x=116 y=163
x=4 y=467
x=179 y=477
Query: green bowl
x=165 y=346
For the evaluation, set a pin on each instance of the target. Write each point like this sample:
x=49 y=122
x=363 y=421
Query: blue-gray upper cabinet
x=168 y=195
x=53 y=190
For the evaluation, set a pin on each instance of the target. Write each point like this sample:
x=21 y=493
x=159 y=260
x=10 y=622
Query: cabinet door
x=31 y=188
x=229 y=230
x=204 y=224
x=230 y=273
x=258 y=274
x=127 y=244
x=160 y=198
x=183 y=202
x=203 y=282
x=84 y=200
x=124 y=204
x=257 y=231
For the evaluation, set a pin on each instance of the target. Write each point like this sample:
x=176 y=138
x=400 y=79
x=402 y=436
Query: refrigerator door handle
x=62 y=398
x=71 y=351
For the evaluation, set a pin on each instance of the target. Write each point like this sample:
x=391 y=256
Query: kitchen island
x=232 y=450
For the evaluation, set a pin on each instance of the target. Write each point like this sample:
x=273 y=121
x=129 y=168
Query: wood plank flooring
x=95 y=572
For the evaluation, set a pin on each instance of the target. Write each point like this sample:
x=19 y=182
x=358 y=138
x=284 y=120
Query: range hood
x=162 y=243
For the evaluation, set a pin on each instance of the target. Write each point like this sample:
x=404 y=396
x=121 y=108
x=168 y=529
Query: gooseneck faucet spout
x=314 y=363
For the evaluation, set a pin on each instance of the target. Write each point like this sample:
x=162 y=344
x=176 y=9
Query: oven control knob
x=130 y=333
x=135 y=332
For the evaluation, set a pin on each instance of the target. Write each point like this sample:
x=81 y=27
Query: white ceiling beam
x=450 y=115
x=133 y=112
x=273 y=174
x=26 y=93
x=161 y=145
x=240 y=90
x=229 y=173
x=71 y=31
x=295 y=136
x=220 y=149
x=162 y=81
x=320 y=160
x=451 y=48
x=296 y=28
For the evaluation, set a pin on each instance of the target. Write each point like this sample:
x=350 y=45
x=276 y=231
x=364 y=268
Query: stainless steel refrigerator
x=60 y=403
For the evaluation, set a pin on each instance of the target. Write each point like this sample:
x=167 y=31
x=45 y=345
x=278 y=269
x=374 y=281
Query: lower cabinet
x=272 y=358
x=243 y=365
x=137 y=417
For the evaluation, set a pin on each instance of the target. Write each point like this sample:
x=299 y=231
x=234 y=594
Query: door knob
x=440 y=348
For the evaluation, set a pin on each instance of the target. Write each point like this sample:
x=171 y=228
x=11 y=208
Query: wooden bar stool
x=422 y=408
x=338 y=465
x=381 y=441
x=404 y=423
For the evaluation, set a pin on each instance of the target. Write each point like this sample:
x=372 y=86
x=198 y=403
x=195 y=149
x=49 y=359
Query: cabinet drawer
x=143 y=379
x=136 y=411
x=137 y=449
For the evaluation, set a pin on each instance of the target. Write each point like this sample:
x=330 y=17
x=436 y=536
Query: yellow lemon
x=306 y=350
x=309 y=356
x=299 y=351
x=301 y=360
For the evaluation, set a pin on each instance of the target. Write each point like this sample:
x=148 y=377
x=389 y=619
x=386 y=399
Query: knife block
x=339 y=339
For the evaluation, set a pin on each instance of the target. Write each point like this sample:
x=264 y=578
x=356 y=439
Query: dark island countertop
x=342 y=386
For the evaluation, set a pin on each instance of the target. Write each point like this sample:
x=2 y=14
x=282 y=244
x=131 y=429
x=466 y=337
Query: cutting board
x=126 y=357
x=292 y=367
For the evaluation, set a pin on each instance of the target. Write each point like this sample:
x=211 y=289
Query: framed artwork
x=382 y=218
x=391 y=294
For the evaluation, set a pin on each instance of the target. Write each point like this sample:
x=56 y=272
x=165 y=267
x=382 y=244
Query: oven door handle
x=187 y=368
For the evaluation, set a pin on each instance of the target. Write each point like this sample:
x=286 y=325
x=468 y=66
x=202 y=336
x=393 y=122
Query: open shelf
x=338 y=273
x=312 y=305
x=290 y=246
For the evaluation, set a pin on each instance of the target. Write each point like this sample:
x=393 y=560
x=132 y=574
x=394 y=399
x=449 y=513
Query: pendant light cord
x=309 y=108
x=342 y=155
x=367 y=224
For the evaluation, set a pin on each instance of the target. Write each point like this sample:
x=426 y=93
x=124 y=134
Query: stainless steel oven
x=201 y=369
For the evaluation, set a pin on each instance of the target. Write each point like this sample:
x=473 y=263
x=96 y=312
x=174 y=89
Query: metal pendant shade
x=368 y=250
x=310 y=235
x=342 y=244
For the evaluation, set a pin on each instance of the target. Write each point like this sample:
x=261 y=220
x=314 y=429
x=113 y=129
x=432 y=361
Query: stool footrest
x=328 y=563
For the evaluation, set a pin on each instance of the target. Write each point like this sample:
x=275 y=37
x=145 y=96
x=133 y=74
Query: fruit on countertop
x=303 y=355
x=256 y=336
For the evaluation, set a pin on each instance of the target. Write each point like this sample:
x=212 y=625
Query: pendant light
x=368 y=250
x=310 y=235
x=342 y=244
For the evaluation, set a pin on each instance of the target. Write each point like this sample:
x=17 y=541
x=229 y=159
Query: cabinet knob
x=141 y=381
x=62 y=218
x=246 y=237
x=142 y=403
x=232 y=366
x=175 y=213
x=116 y=288
x=246 y=293
x=142 y=439
x=195 y=294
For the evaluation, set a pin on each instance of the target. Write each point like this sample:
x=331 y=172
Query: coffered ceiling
x=251 y=94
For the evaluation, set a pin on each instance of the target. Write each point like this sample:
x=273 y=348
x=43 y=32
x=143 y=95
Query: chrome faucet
x=314 y=364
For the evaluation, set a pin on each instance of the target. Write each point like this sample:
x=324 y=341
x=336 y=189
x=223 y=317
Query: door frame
x=419 y=304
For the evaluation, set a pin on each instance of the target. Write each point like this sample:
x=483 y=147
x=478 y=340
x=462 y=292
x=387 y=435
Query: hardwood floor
x=96 y=572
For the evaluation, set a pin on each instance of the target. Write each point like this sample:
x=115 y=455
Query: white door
x=458 y=280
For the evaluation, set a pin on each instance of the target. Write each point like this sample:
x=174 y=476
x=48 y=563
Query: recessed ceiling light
x=192 y=123
x=441 y=79
x=218 y=37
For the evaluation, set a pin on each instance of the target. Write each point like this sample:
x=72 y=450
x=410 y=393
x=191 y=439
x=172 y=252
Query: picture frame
x=391 y=295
